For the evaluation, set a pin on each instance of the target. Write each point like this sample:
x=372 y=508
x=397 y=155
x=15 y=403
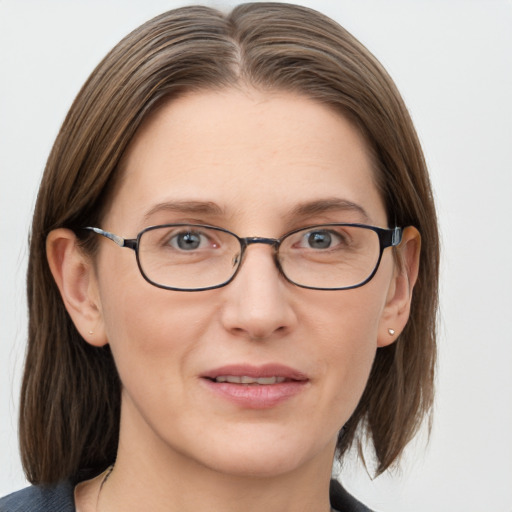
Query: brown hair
x=70 y=398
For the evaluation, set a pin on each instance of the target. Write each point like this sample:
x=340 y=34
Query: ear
x=75 y=277
x=398 y=302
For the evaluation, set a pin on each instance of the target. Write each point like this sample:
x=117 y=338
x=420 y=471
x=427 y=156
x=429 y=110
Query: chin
x=255 y=457
x=258 y=465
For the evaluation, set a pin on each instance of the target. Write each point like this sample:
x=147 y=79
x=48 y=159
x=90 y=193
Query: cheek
x=348 y=344
x=154 y=322
x=154 y=336
x=151 y=331
x=138 y=315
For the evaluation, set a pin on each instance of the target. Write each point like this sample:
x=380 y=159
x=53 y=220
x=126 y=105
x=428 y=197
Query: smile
x=255 y=387
x=245 y=379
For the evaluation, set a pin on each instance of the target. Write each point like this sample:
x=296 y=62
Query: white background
x=452 y=60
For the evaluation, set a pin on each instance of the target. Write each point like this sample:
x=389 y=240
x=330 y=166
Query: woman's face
x=257 y=164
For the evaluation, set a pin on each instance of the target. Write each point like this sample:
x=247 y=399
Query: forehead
x=247 y=152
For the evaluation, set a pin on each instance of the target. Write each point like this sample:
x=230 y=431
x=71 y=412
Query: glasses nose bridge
x=249 y=240
x=252 y=240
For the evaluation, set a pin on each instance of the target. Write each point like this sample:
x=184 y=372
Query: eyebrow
x=190 y=207
x=328 y=205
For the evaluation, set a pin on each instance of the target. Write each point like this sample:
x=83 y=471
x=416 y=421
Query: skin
x=257 y=156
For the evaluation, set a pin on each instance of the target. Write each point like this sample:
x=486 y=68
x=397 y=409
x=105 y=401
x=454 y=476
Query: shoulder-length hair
x=70 y=399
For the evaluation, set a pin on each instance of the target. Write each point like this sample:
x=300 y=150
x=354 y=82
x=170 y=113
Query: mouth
x=255 y=387
x=267 y=374
x=245 y=379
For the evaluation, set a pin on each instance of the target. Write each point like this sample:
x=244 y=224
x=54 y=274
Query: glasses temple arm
x=115 y=238
x=396 y=236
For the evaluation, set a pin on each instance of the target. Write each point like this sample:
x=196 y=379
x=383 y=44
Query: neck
x=148 y=475
x=177 y=491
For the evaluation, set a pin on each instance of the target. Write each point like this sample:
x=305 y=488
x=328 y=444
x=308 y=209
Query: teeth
x=249 y=380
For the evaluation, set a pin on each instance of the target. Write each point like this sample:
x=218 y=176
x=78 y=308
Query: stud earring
x=91 y=332
x=391 y=332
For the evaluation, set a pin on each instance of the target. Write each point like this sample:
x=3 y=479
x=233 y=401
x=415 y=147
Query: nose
x=258 y=302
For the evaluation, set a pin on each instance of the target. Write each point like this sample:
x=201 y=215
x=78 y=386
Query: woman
x=265 y=172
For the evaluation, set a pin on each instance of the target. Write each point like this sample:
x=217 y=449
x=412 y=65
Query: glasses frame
x=388 y=237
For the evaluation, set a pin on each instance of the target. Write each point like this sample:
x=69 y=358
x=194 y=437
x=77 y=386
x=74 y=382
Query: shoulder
x=343 y=501
x=57 y=498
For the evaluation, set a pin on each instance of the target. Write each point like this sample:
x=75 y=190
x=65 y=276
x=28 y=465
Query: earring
x=91 y=332
x=391 y=332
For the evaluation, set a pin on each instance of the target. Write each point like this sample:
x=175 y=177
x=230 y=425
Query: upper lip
x=247 y=370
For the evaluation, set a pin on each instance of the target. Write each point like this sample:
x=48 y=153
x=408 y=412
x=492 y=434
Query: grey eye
x=187 y=241
x=319 y=240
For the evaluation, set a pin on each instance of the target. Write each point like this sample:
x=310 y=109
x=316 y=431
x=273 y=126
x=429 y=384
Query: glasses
x=194 y=257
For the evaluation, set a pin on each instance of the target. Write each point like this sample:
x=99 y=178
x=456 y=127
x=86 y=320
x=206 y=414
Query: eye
x=319 y=239
x=190 y=241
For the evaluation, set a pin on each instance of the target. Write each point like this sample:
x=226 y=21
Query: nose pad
x=257 y=302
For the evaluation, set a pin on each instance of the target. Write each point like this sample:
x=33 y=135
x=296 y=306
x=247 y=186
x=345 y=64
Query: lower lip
x=256 y=396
